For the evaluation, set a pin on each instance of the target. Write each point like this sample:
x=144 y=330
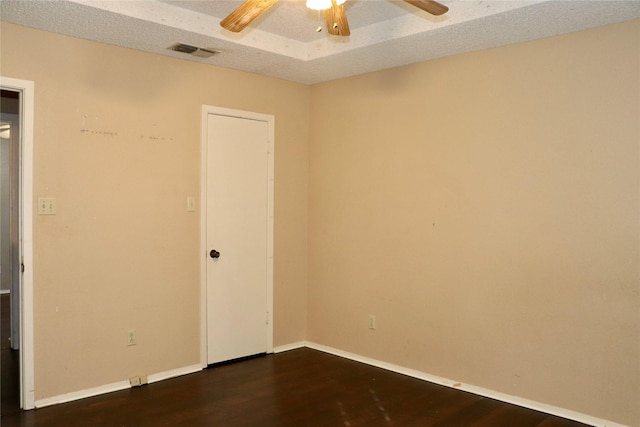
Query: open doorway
x=16 y=248
x=10 y=249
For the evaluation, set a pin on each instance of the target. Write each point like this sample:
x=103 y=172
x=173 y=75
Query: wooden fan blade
x=245 y=14
x=433 y=7
x=336 y=20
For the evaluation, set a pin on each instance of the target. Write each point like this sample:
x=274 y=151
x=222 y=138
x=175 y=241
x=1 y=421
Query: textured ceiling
x=284 y=43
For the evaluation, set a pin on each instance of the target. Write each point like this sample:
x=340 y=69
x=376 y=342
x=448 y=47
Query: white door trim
x=27 y=387
x=206 y=110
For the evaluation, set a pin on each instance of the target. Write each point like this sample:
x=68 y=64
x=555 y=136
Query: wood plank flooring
x=301 y=387
x=9 y=364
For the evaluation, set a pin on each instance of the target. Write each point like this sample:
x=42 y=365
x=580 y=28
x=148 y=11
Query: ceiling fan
x=335 y=17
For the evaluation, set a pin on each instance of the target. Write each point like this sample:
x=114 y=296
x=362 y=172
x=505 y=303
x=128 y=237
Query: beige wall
x=485 y=207
x=117 y=141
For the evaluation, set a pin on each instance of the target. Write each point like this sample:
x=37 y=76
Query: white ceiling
x=284 y=43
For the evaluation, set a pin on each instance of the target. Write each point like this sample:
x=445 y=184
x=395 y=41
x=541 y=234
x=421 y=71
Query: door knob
x=214 y=254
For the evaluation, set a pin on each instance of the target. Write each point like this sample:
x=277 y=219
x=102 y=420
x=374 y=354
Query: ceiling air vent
x=193 y=50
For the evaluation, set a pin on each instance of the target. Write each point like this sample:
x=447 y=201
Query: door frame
x=270 y=120
x=27 y=97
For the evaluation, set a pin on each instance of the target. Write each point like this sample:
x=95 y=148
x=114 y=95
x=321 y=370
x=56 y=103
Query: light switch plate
x=191 y=204
x=46 y=205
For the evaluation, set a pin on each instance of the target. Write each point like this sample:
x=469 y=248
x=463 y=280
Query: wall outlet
x=372 y=321
x=131 y=337
x=138 y=381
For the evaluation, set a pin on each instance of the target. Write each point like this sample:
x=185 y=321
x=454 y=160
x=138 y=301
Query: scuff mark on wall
x=98 y=132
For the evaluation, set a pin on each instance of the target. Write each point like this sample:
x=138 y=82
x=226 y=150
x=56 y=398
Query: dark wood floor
x=302 y=387
x=5 y=315
x=9 y=364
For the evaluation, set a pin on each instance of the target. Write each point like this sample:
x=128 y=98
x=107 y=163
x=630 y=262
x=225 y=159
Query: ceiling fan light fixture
x=322 y=4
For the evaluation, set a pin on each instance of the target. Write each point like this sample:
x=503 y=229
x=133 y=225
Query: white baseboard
x=117 y=386
x=481 y=391
x=287 y=347
x=4 y=291
x=153 y=378
x=81 y=394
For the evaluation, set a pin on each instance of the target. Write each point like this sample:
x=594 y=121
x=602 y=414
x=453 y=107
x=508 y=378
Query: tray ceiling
x=284 y=42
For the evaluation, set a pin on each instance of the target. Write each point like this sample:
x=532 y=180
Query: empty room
x=444 y=194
